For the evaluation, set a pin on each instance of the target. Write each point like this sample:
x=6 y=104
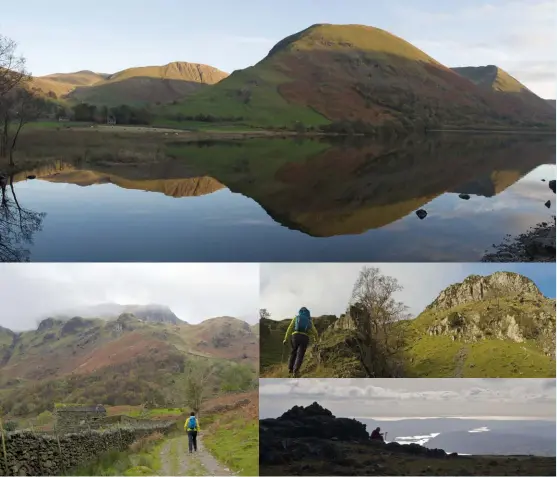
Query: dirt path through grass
x=176 y=460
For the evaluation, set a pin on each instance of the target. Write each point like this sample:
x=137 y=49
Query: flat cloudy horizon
x=194 y=292
x=385 y=399
x=325 y=288
x=518 y=36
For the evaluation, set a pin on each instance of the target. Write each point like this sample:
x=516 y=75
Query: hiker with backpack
x=192 y=428
x=300 y=329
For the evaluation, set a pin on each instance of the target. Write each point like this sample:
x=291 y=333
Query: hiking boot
x=296 y=374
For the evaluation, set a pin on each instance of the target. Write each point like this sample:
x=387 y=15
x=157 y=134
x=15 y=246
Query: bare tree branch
x=376 y=315
x=197 y=375
x=12 y=67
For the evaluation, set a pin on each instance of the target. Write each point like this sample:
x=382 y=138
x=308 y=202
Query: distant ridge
x=138 y=85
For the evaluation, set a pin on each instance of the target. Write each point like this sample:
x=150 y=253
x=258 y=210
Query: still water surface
x=282 y=201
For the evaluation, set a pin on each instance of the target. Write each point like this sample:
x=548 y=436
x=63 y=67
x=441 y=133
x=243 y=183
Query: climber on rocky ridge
x=377 y=435
x=299 y=331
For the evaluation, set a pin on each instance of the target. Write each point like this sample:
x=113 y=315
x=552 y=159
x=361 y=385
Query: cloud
x=193 y=291
x=491 y=398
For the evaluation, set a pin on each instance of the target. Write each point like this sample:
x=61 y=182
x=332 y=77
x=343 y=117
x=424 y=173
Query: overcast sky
x=408 y=398
x=107 y=36
x=325 y=288
x=194 y=292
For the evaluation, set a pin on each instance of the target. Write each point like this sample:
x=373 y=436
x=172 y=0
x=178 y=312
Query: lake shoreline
x=535 y=245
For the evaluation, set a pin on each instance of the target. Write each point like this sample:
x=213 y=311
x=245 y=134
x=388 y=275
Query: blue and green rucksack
x=192 y=423
x=303 y=321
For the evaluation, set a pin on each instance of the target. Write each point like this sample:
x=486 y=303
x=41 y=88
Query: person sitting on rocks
x=300 y=329
x=376 y=435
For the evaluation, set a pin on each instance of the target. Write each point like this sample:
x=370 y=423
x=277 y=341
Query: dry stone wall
x=28 y=453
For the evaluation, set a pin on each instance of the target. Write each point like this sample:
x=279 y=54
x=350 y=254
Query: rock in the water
x=31 y=177
x=552 y=185
x=548 y=204
x=422 y=214
x=464 y=196
x=543 y=180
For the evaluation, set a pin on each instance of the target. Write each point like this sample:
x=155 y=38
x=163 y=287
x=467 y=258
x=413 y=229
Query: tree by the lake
x=18 y=225
x=17 y=108
x=18 y=105
x=13 y=73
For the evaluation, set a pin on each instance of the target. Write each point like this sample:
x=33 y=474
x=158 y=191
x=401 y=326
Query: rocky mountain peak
x=313 y=421
x=312 y=410
x=154 y=313
x=49 y=323
x=477 y=288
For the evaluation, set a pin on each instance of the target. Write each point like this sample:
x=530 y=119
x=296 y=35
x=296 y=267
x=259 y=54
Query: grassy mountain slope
x=494 y=79
x=351 y=72
x=506 y=333
x=122 y=361
x=79 y=78
x=149 y=84
x=178 y=70
x=134 y=86
x=62 y=84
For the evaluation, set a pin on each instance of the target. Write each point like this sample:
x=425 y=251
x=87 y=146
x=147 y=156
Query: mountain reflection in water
x=340 y=202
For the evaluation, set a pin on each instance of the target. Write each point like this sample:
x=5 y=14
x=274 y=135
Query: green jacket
x=290 y=331
x=196 y=424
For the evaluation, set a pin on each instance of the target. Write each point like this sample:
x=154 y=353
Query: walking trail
x=176 y=460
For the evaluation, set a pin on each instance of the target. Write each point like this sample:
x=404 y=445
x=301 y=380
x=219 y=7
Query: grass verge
x=233 y=439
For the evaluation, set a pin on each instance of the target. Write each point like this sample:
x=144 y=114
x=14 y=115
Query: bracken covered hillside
x=123 y=360
x=331 y=73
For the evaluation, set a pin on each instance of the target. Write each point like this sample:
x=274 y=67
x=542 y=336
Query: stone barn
x=75 y=418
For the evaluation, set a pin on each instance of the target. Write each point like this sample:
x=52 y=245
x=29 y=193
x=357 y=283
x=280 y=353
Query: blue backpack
x=192 y=423
x=303 y=321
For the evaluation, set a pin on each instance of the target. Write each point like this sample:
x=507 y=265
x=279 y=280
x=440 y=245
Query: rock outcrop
x=49 y=323
x=502 y=306
x=313 y=433
x=313 y=421
x=477 y=288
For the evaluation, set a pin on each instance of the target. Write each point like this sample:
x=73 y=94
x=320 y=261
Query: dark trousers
x=299 y=344
x=192 y=440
